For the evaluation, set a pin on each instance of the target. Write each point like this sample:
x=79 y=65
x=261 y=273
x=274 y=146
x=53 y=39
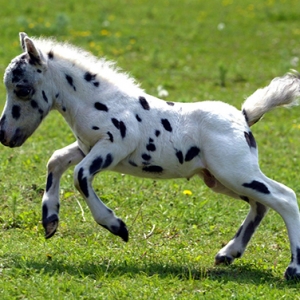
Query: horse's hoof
x=123 y=231
x=291 y=274
x=223 y=259
x=50 y=225
x=120 y=230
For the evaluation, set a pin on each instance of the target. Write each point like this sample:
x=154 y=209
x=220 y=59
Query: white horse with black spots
x=119 y=127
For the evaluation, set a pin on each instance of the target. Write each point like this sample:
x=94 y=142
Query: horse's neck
x=77 y=86
x=72 y=94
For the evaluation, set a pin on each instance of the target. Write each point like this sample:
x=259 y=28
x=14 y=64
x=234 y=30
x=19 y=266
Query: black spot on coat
x=146 y=156
x=45 y=97
x=249 y=230
x=49 y=181
x=245 y=115
x=166 y=124
x=144 y=103
x=157 y=133
x=138 y=118
x=170 y=103
x=116 y=123
x=120 y=125
x=179 y=156
x=238 y=232
x=111 y=137
x=83 y=183
x=258 y=186
x=250 y=139
x=122 y=129
x=16 y=112
x=153 y=169
x=89 y=76
x=96 y=165
x=50 y=55
x=18 y=71
x=260 y=209
x=70 y=81
x=151 y=147
x=192 y=153
x=101 y=106
x=33 y=104
x=108 y=161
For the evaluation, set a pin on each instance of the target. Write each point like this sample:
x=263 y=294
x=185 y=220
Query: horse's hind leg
x=236 y=247
x=283 y=200
x=235 y=166
x=264 y=193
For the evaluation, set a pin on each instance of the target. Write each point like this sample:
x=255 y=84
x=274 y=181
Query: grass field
x=196 y=50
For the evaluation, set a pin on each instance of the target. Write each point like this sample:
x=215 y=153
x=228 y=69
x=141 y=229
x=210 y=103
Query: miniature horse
x=119 y=127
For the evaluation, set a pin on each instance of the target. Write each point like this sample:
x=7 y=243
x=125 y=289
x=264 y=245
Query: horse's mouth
x=17 y=139
x=12 y=143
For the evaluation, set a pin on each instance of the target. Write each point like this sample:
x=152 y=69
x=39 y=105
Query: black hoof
x=291 y=274
x=225 y=260
x=120 y=230
x=123 y=231
x=50 y=225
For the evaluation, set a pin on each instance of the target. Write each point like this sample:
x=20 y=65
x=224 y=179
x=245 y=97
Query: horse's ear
x=29 y=47
x=22 y=36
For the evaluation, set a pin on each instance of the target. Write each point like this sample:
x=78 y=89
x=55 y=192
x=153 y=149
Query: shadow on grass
x=108 y=269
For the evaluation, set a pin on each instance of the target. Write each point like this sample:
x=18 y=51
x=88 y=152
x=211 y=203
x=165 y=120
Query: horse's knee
x=56 y=163
x=286 y=201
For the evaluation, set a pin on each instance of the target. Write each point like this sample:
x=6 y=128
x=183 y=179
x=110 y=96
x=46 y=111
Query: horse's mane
x=78 y=57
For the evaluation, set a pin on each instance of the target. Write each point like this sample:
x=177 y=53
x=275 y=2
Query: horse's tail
x=282 y=91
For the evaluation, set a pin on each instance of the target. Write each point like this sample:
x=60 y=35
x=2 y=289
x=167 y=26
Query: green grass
x=196 y=50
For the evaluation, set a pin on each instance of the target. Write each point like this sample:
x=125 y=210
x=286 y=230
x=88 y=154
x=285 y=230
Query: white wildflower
x=106 y=23
x=221 y=26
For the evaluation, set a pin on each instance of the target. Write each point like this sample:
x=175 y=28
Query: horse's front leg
x=59 y=162
x=98 y=159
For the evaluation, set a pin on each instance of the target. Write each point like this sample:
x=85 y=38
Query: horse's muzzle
x=16 y=141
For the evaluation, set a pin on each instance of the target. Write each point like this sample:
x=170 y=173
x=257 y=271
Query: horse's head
x=27 y=102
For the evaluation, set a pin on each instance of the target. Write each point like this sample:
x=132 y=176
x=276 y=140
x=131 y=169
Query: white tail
x=282 y=91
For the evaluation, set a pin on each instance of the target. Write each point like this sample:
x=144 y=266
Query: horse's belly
x=160 y=171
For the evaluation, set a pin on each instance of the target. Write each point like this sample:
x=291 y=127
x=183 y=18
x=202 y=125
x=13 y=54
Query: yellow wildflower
x=187 y=192
x=104 y=32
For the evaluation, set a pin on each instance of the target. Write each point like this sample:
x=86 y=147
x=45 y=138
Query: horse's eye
x=23 y=91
